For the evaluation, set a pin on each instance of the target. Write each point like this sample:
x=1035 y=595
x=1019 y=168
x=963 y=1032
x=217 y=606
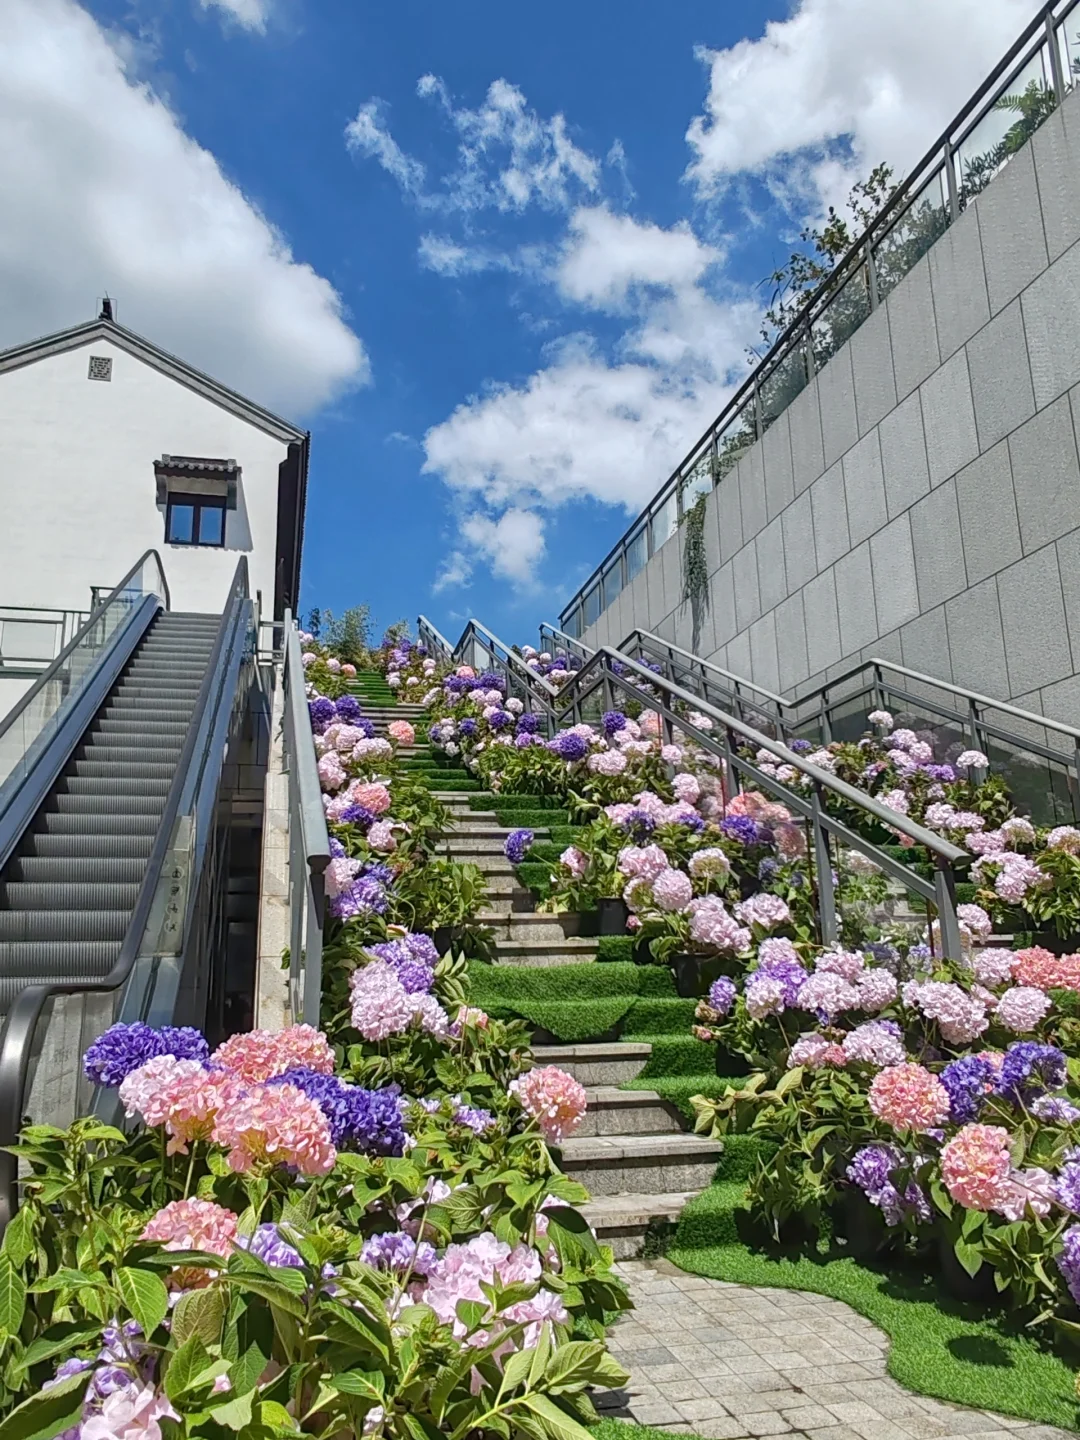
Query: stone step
x=628 y=1112
x=640 y=1164
x=605 y=1062
x=459 y=799
x=467 y=845
x=535 y=954
x=486 y=830
x=623 y=1221
x=528 y=925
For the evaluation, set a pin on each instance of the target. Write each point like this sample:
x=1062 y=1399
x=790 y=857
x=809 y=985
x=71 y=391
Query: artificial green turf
x=624 y=1430
x=531 y=819
x=621 y=947
x=680 y=1089
x=941 y=1347
x=523 y=802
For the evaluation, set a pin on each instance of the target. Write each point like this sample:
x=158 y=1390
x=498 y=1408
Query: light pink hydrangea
x=971 y=760
x=710 y=864
x=276 y=1125
x=381 y=837
x=381 y=1006
x=687 y=788
x=193 y=1105
x=642 y=863
x=607 y=762
x=575 y=861
x=881 y=718
x=961 y=1017
x=149 y=1091
x=672 y=890
x=1022 y=1008
x=193 y=1225
x=848 y=964
x=763 y=909
x=875 y=1044
x=975 y=920
x=764 y=996
x=1039 y=967
x=713 y=928
x=672 y=754
x=331 y=771
x=1030 y=1191
x=554 y=1099
x=133 y=1412
x=815 y=1052
x=828 y=994
x=465 y=1269
x=877 y=988
x=908 y=1097
x=993 y=966
x=1064 y=837
x=976 y=1168
x=402 y=732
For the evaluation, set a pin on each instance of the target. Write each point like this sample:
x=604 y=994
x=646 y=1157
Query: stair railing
x=820 y=713
x=175 y=938
x=483 y=650
x=435 y=642
x=309 y=840
x=610 y=671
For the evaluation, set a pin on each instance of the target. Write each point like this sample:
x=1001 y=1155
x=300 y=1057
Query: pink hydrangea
x=276 y=1125
x=331 y=771
x=993 y=966
x=908 y=1097
x=193 y=1225
x=575 y=861
x=875 y=1044
x=710 y=864
x=1022 y=1008
x=381 y=1006
x=790 y=841
x=402 y=732
x=1037 y=966
x=349 y=671
x=815 y=1052
x=1031 y=1190
x=373 y=797
x=877 y=988
x=848 y=964
x=381 y=837
x=258 y=1055
x=971 y=760
x=828 y=994
x=672 y=890
x=465 y=1269
x=607 y=762
x=976 y=1169
x=149 y=1091
x=193 y=1105
x=962 y=1017
x=672 y=754
x=974 y=920
x=687 y=789
x=1064 y=837
x=765 y=910
x=554 y=1099
x=712 y=927
x=642 y=863
x=650 y=723
x=764 y=996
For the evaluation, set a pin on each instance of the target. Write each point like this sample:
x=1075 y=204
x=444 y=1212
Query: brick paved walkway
x=729 y=1361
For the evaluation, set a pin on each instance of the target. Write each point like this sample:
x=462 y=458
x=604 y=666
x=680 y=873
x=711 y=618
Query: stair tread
x=628 y=1147
x=592 y=1050
x=635 y=1208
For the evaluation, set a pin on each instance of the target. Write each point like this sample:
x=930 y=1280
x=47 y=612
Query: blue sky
x=503 y=261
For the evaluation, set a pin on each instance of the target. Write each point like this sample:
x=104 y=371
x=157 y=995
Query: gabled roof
x=151 y=354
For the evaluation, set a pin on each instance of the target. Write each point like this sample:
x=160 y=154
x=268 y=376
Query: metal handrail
x=309 y=840
x=17 y=1036
x=434 y=639
x=796 y=340
x=47 y=676
x=509 y=657
x=812 y=704
x=610 y=669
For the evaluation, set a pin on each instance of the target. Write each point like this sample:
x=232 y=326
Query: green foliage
x=695 y=591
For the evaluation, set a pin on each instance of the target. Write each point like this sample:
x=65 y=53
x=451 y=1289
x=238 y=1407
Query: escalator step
x=100 y=824
x=56 y=869
x=66 y=895
x=63 y=924
x=121 y=783
x=95 y=843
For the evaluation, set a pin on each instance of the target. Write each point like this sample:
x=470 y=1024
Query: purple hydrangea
x=969 y=1082
x=501 y=720
x=368 y=1120
x=1067 y=1187
x=528 y=724
x=742 y=829
x=768 y=870
x=696 y=823
x=613 y=721
x=474 y=1118
x=416 y=977
x=488 y=680
x=454 y=684
x=788 y=973
x=1054 y=1109
x=1068 y=1262
x=800 y=747
x=399 y=1253
x=467 y=727
x=569 y=746
x=363 y=896
x=518 y=844
x=871 y=1169
x=378 y=871
x=639 y=825
x=123 y=1048
x=945 y=773
x=337 y=849
x=722 y=994
x=348 y=710
x=267 y=1245
x=323 y=713
x=357 y=815
x=1028 y=1070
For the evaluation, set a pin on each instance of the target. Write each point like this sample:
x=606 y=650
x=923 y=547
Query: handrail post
x=826 y=722
x=945 y=885
x=732 y=784
x=871 y=276
x=1074 y=781
x=950 y=180
x=823 y=869
x=1056 y=73
x=973 y=723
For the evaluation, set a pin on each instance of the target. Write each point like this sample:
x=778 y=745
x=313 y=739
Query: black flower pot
x=612 y=915
x=589 y=923
x=862 y=1226
x=694 y=974
x=444 y=937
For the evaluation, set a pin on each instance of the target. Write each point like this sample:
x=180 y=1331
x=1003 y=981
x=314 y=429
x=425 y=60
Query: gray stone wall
x=920 y=500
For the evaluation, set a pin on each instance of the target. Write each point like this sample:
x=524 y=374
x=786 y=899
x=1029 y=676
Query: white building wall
x=77 y=491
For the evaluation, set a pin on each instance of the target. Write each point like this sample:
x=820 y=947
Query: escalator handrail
x=16 y=1038
x=53 y=670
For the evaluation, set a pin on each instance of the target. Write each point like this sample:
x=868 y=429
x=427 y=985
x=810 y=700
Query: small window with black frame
x=195 y=520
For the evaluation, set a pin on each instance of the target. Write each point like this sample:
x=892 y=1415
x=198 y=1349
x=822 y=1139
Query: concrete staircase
x=632 y=1153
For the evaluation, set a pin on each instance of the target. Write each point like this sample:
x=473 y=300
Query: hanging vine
x=695 y=567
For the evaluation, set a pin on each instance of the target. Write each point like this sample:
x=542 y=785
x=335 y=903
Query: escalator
x=68 y=892
x=118 y=773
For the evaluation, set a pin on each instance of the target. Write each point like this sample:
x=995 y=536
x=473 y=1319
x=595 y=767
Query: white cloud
x=103 y=191
x=508 y=157
x=589 y=426
x=250 y=14
x=608 y=258
x=368 y=135
x=889 y=75
x=512 y=544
